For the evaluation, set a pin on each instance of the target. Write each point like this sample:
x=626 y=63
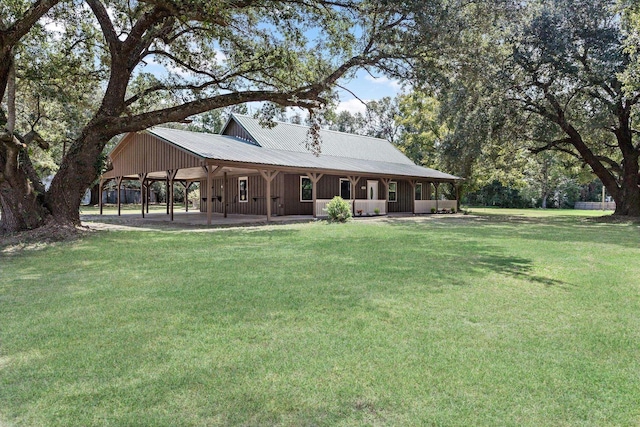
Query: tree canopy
x=94 y=56
x=550 y=76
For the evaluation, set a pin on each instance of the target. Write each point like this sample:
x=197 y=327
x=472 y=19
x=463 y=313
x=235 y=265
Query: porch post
x=100 y=186
x=314 y=177
x=171 y=176
x=224 y=196
x=143 y=178
x=186 y=184
x=354 y=184
x=209 y=194
x=166 y=188
x=385 y=182
x=436 y=185
x=119 y=183
x=148 y=195
x=209 y=170
x=268 y=177
x=413 y=183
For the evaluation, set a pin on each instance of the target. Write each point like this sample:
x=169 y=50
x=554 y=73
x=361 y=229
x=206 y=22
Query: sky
x=368 y=88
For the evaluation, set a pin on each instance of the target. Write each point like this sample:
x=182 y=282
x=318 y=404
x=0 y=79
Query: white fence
x=368 y=207
x=595 y=206
x=425 y=206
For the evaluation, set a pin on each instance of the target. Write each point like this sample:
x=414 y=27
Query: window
x=345 y=189
x=393 y=191
x=306 y=189
x=418 y=191
x=243 y=189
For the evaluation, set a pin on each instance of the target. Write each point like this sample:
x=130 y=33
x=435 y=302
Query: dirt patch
x=40 y=238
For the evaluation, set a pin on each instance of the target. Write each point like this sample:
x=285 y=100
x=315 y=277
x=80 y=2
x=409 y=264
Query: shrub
x=376 y=211
x=338 y=210
x=433 y=210
x=453 y=210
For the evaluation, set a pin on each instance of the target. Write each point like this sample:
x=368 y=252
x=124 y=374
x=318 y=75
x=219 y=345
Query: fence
x=595 y=206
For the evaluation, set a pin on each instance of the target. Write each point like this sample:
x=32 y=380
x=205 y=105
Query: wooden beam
x=268 y=176
x=314 y=177
x=224 y=196
x=187 y=185
x=118 y=183
x=143 y=178
x=353 y=180
x=211 y=171
x=413 y=183
x=171 y=176
x=209 y=195
x=385 y=182
x=100 y=186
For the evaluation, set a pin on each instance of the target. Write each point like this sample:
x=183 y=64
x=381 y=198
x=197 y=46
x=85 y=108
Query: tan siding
x=234 y=129
x=145 y=153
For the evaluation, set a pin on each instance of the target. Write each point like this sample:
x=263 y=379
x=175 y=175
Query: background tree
x=548 y=76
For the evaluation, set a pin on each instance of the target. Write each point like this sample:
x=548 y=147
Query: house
x=249 y=169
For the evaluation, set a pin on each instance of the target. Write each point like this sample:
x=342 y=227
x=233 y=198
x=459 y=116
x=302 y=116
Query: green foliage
x=543 y=76
x=339 y=210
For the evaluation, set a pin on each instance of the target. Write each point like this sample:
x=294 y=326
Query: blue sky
x=367 y=87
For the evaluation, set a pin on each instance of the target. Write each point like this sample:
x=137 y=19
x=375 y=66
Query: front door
x=372 y=190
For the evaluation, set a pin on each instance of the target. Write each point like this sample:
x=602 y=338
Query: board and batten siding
x=143 y=152
x=256 y=203
x=234 y=129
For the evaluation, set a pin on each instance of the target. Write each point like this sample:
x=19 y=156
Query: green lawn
x=494 y=320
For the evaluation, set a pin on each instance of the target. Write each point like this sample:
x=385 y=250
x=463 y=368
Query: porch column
x=436 y=185
x=100 y=186
x=171 y=176
x=210 y=170
x=224 y=196
x=166 y=188
x=187 y=185
x=268 y=177
x=353 y=180
x=385 y=182
x=413 y=183
x=148 y=195
x=118 y=183
x=314 y=177
x=143 y=178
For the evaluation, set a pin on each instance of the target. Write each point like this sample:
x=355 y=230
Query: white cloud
x=353 y=106
x=394 y=84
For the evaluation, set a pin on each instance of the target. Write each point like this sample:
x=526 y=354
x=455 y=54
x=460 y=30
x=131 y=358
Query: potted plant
x=433 y=210
x=359 y=212
x=376 y=211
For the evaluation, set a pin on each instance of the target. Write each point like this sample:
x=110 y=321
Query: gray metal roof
x=290 y=137
x=228 y=148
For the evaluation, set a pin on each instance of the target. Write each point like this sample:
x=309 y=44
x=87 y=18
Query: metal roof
x=291 y=137
x=232 y=149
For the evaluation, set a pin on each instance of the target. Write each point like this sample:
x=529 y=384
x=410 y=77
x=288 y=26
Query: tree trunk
x=21 y=207
x=628 y=197
x=78 y=171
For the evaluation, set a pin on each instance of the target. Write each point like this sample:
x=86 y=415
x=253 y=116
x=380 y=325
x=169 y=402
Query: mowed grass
x=445 y=321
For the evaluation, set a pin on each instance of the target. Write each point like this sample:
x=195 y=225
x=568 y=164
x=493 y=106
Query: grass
x=487 y=320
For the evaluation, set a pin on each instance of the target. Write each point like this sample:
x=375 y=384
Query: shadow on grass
x=569 y=229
